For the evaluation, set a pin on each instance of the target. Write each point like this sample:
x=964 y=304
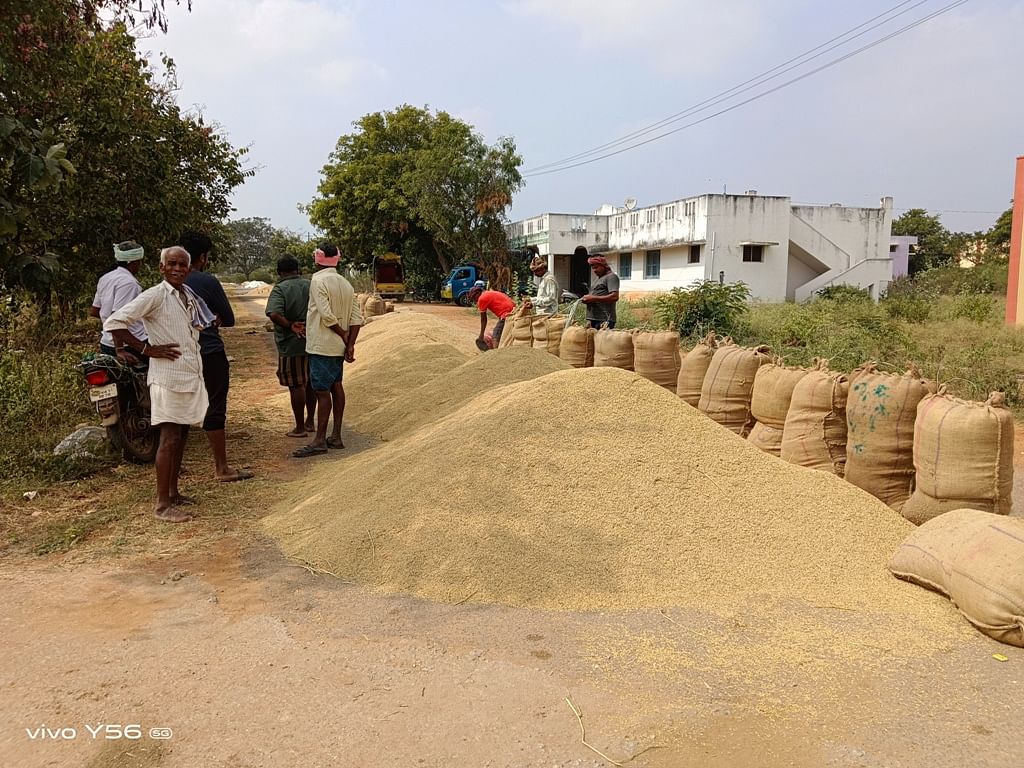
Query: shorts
x=325 y=371
x=217 y=377
x=597 y=325
x=170 y=407
x=293 y=371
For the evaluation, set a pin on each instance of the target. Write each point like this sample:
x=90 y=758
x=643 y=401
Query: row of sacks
x=898 y=437
x=372 y=305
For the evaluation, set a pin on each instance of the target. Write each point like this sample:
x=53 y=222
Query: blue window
x=652 y=265
x=626 y=266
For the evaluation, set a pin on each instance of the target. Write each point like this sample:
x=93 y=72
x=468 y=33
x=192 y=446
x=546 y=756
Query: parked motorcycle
x=121 y=395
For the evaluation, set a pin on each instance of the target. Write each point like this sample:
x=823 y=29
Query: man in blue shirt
x=216 y=371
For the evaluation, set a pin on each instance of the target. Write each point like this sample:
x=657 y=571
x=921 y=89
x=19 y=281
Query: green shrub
x=909 y=300
x=979 y=307
x=705 y=306
x=844 y=292
x=953 y=279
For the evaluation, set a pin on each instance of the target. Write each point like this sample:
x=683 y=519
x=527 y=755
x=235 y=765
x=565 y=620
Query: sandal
x=307 y=451
x=240 y=474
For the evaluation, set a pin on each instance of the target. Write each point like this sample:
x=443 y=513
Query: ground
x=252 y=660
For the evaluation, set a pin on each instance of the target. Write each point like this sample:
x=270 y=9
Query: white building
x=781 y=250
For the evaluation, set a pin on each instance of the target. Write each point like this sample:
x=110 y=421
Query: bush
x=907 y=299
x=949 y=280
x=846 y=333
x=844 y=293
x=705 y=306
x=978 y=307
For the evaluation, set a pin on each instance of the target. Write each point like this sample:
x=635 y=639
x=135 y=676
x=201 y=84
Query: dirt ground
x=250 y=660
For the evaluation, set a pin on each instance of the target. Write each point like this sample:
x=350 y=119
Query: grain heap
x=442 y=395
x=494 y=503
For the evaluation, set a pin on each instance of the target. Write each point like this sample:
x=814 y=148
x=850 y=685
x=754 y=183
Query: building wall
x=675 y=271
x=658 y=225
x=735 y=219
x=899 y=252
x=863 y=233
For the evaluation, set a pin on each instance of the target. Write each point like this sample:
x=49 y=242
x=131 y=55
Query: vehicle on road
x=459 y=281
x=389 y=277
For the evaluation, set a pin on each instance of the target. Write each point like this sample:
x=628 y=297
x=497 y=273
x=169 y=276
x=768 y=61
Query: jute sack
x=374 y=306
x=656 y=357
x=976 y=559
x=729 y=385
x=880 y=414
x=814 y=434
x=963 y=457
x=361 y=298
x=613 y=349
x=692 y=369
x=577 y=346
x=547 y=332
x=769 y=404
x=388 y=307
x=518 y=330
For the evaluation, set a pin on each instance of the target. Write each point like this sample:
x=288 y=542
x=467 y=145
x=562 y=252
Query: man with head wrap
x=333 y=321
x=604 y=293
x=115 y=289
x=546 y=300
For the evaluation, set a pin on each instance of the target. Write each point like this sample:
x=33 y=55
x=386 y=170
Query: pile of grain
x=440 y=395
x=594 y=489
x=397 y=328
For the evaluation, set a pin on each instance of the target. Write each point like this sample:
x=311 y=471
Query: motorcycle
x=121 y=396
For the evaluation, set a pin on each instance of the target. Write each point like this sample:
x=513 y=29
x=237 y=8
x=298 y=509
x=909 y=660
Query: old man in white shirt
x=546 y=300
x=173 y=316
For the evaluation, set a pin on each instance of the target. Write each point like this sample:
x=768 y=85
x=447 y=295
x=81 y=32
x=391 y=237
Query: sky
x=932 y=117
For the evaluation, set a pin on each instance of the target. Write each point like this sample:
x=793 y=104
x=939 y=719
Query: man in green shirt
x=286 y=307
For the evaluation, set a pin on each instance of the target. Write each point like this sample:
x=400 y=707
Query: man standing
x=603 y=294
x=546 y=300
x=173 y=316
x=216 y=370
x=286 y=308
x=116 y=288
x=495 y=301
x=332 y=325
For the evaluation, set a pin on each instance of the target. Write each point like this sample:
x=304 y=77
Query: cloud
x=676 y=36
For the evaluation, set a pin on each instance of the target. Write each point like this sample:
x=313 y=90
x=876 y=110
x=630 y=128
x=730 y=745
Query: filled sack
x=769 y=404
x=976 y=559
x=613 y=349
x=729 y=385
x=963 y=457
x=693 y=367
x=656 y=357
x=814 y=434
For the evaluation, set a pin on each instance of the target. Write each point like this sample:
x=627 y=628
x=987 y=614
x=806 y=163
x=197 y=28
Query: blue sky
x=933 y=117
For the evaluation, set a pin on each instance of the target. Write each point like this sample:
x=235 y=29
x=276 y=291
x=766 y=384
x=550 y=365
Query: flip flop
x=307 y=451
x=332 y=443
x=240 y=474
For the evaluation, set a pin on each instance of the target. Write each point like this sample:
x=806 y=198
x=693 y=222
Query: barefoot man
x=173 y=316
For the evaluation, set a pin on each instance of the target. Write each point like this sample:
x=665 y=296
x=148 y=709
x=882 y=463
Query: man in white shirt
x=546 y=300
x=173 y=316
x=333 y=321
x=116 y=288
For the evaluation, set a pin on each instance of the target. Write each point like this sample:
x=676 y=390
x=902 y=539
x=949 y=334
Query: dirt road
x=250 y=660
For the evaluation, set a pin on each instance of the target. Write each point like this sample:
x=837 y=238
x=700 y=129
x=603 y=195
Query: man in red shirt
x=496 y=301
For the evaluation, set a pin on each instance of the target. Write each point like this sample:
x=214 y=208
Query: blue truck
x=458 y=283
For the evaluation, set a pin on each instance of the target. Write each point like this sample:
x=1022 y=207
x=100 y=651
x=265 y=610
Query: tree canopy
x=77 y=97
x=419 y=183
x=935 y=246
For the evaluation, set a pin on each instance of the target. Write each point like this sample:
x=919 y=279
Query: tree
x=284 y=242
x=998 y=237
x=249 y=247
x=421 y=184
x=935 y=246
x=146 y=170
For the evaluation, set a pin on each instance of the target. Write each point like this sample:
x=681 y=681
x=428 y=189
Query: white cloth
x=168 y=406
x=546 y=300
x=169 y=316
x=332 y=301
x=115 y=289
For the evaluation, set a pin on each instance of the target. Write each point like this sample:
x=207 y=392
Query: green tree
x=284 y=242
x=935 y=246
x=249 y=247
x=998 y=237
x=146 y=170
x=421 y=184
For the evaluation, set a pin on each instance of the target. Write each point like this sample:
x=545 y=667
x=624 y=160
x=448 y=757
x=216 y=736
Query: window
x=618 y=222
x=694 y=254
x=690 y=209
x=893 y=248
x=462 y=274
x=626 y=266
x=652 y=265
x=753 y=253
x=652 y=215
x=529 y=228
x=634 y=219
x=670 y=212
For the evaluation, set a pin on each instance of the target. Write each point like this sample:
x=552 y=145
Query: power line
x=753 y=82
x=900 y=31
